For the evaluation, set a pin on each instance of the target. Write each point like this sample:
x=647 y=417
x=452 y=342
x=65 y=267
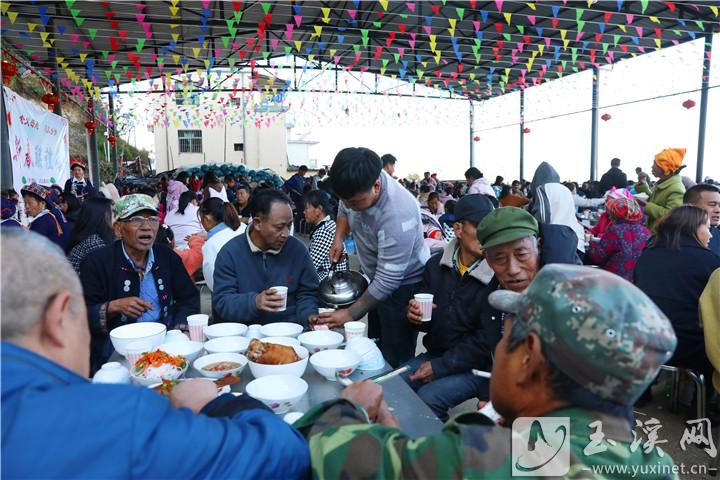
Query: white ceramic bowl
x=234 y=344
x=152 y=332
x=153 y=380
x=228 y=329
x=220 y=357
x=279 y=392
x=289 y=341
x=188 y=349
x=296 y=369
x=319 y=340
x=281 y=329
x=327 y=362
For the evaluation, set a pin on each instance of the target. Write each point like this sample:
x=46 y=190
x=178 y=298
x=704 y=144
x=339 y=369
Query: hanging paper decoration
x=688 y=104
x=112 y=140
x=526 y=130
x=9 y=70
x=606 y=117
x=51 y=100
x=476 y=138
x=90 y=126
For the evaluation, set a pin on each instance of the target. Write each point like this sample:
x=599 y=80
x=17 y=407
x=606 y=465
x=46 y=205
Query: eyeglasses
x=138 y=221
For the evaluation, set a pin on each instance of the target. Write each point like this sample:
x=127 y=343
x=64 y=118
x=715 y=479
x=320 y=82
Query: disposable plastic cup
x=425 y=302
x=283 y=292
x=354 y=329
x=196 y=323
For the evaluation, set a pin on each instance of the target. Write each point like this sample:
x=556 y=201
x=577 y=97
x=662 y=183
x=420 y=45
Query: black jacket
x=458 y=336
x=613 y=178
x=674 y=280
x=104 y=274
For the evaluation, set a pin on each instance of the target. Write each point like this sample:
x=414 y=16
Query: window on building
x=190 y=141
x=238 y=147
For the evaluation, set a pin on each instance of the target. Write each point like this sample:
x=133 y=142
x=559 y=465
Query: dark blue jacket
x=457 y=339
x=674 y=280
x=241 y=274
x=715 y=240
x=103 y=274
x=51 y=227
x=55 y=424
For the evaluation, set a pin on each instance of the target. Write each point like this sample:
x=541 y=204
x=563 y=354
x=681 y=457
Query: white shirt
x=212 y=247
x=221 y=194
x=184 y=224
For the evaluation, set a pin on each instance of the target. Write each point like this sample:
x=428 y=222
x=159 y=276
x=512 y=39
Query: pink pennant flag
x=532 y=19
x=639 y=31
x=289 y=31
x=140 y=6
x=520 y=46
x=86 y=44
x=401 y=51
x=153 y=57
x=74 y=37
x=579 y=36
x=629 y=17
x=410 y=6
x=412 y=42
x=140 y=17
x=298 y=19
x=352 y=13
x=274 y=43
x=428 y=29
x=499 y=4
x=476 y=25
x=205 y=4
x=547 y=42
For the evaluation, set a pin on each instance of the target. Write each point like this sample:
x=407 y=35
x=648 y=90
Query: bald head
x=42 y=303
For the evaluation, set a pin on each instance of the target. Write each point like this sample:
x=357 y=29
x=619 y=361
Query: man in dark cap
x=579 y=347
x=455 y=340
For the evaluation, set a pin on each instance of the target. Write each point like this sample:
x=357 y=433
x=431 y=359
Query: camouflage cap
x=131 y=204
x=597 y=328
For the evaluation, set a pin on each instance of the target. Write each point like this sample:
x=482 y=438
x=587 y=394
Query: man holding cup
x=265 y=275
x=449 y=312
x=385 y=222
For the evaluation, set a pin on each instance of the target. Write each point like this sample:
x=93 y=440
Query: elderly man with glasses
x=134 y=281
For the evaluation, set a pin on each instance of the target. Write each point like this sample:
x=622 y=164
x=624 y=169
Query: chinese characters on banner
x=38 y=140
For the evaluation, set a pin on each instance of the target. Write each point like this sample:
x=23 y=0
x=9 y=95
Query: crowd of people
x=573 y=296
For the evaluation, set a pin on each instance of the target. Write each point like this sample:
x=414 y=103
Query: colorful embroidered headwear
x=670 y=159
x=37 y=190
x=623 y=208
x=76 y=162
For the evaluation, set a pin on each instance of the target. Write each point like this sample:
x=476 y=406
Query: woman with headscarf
x=79 y=185
x=668 y=190
x=620 y=247
x=39 y=211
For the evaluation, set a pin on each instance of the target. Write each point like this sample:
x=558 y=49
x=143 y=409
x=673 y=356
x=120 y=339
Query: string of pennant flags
x=471 y=49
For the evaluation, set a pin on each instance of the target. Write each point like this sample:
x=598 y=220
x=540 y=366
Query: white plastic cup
x=135 y=350
x=282 y=291
x=354 y=329
x=425 y=302
x=196 y=323
x=176 y=336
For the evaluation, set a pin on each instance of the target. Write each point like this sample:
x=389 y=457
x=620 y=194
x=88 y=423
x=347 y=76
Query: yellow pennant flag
x=196 y=52
x=12 y=16
x=333 y=51
x=207 y=64
x=4 y=7
x=424 y=64
x=83 y=56
x=507 y=16
x=541 y=48
x=530 y=63
x=452 y=22
x=437 y=57
x=176 y=59
x=658 y=42
x=623 y=28
x=298 y=45
x=714 y=10
x=433 y=40
x=654 y=19
x=318 y=31
x=563 y=33
x=175 y=36
x=565 y=44
x=311 y=57
x=384 y=4
x=326 y=15
x=31 y=26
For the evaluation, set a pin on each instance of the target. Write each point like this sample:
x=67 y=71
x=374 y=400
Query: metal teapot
x=341 y=289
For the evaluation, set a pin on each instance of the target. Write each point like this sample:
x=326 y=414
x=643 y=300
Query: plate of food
x=154 y=367
x=223 y=384
x=266 y=358
x=217 y=365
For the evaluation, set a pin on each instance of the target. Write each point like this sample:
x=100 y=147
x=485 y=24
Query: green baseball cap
x=129 y=205
x=504 y=225
x=596 y=327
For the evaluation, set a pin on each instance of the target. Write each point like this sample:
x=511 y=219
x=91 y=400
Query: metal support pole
x=92 y=149
x=113 y=129
x=472 y=127
x=707 y=54
x=6 y=173
x=594 y=125
x=522 y=134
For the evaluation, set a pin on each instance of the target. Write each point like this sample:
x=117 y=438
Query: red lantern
x=9 y=70
x=112 y=140
x=90 y=126
x=476 y=138
x=606 y=117
x=688 y=104
x=526 y=130
x=51 y=100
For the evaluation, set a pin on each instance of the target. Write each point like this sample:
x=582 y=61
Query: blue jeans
x=444 y=393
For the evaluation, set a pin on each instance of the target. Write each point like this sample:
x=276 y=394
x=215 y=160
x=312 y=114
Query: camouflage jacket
x=344 y=445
